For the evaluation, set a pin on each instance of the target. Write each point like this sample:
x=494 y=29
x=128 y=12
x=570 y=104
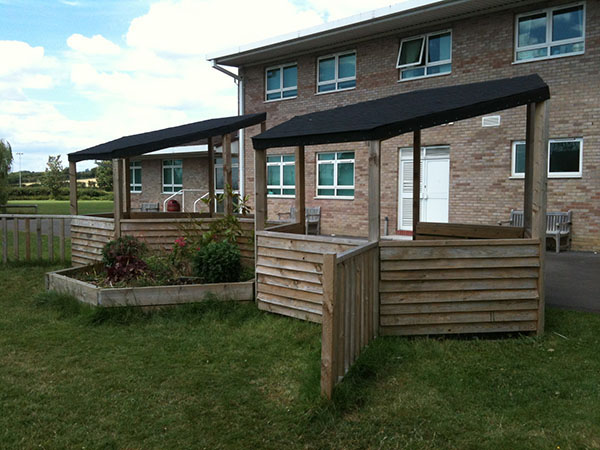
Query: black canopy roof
x=391 y=116
x=139 y=144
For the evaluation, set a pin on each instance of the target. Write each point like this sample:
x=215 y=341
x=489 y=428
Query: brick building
x=472 y=169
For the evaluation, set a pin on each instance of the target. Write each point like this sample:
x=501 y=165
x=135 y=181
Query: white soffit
x=392 y=19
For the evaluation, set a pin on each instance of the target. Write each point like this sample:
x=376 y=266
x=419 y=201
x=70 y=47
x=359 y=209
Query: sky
x=77 y=73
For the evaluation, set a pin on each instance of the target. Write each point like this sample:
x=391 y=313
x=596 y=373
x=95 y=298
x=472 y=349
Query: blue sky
x=76 y=73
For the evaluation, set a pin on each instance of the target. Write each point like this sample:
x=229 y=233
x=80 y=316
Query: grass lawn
x=221 y=375
x=62 y=206
x=33 y=246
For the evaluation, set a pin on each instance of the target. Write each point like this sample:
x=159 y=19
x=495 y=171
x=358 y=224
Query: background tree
x=104 y=175
x=6 y=159
x=54 y=176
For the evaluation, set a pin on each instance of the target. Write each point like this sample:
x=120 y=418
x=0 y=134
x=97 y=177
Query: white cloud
x=96 y=45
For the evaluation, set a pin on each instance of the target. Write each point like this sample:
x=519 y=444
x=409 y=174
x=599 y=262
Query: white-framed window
x=281 y=176
x=281 y=82
x=335 y=175
x=172 y=175
x=220 y=178
x=336 y=72
x=550 y=33
x=135 y=171
x=565 y=158
x=426 y=55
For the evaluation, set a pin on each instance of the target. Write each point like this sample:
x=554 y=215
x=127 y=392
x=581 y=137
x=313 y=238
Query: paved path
x=573 y=280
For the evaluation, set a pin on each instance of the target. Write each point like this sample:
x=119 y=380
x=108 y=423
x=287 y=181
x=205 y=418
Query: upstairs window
x=336 y=72
x=281 y=82
x=335 y=174
x=550 y=33
x=135 y=171
x=565 y=158
x=281 y=176
x=425 y=56
x=172 y=175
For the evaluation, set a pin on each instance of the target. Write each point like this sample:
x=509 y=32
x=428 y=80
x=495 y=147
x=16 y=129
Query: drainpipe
x=241 y=147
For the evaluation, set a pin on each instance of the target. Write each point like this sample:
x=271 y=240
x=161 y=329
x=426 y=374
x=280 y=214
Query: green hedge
x=42 y=193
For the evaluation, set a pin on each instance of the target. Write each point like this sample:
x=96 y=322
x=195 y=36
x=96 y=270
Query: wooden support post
x=300 y=179
x=416 y=181
x=127 y=188
x=260 y=186
x=16 y=238
x=118 y=194
x=211 y=177
x=51 y=239
x=227 y=175
x=329 y=332
x=73 y=188
x=38 y=235
x=27 y=239
x=528 y=182
x=538 y=196
x=374 y=191
x=4 y=240
x=61 y=238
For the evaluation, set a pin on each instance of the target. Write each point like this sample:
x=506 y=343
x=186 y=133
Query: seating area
x=558 y=226
x=312 y=215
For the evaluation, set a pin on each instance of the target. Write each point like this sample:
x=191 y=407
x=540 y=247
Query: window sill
x=135 y=192
x=281 y=196
x=435 y=75
x=546 y=58
x=561 y=175
x=280 y=99
x=516 y=177
x=337 y=90
x=332 y=197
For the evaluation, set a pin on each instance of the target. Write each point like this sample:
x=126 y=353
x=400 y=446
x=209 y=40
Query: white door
x=435 y=186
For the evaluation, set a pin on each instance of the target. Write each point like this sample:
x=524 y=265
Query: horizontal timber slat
x=464 y=263
x=457 y=285
x=461 y=274
x=290 y=254
x=456 y=296
x=467 y=328
x=467 y=231
x=316 y=288
x=299 y=294
x=290 y=312
x=423 y=308
x=300 y=266
x=462 y=251
x=458 y=317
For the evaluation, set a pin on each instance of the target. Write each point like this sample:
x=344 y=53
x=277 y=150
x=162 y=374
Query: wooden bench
x=313 y=219
x=558 y=225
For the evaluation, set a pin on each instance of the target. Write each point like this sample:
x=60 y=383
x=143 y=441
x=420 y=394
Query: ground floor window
x=135 y=171
x=172 y=175
x=565 y=158
x=281 y=176
x=335 y=174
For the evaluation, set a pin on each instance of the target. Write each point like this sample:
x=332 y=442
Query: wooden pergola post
x=118 y=194
x=260 y=186
x=416 y=181
x=300 y=180
x=537 y=196
x=374 y=190
x=211 y=177
x=528 y=182
x=127 y=188
x=73 y=187
x=228 y=201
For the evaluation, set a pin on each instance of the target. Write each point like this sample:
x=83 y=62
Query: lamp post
x=19 y=154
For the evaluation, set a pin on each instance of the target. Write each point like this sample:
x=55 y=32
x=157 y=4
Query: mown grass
x=222 y=375
x=33 y=252
x=62 y=206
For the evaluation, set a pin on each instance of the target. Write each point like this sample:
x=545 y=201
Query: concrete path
x=573 y=280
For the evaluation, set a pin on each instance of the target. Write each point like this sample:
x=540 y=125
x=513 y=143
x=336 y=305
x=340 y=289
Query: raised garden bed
x=65 y=281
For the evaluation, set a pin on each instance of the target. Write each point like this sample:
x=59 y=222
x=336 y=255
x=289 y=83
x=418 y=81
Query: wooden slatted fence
x=350 y=310
x=445 y=287
x=24 y=227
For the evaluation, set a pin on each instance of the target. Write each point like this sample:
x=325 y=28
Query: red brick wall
x=481 y=190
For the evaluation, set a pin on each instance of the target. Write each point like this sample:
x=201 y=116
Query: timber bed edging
x=61 y=282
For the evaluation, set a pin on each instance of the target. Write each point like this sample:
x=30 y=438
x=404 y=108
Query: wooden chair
x=558 y=225
x=313 y=218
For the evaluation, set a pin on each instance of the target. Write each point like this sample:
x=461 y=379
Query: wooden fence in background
x=350 y=310
x=27 y=230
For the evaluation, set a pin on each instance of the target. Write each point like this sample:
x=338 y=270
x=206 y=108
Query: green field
x=222 y=375
x=62 y=206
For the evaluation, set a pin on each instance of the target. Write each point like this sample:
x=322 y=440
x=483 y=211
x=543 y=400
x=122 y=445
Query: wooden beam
x=227 y=175
x=260 y=186
x=538 y=196
x=211 y=176
x=528 y=182
x=126 y=187
x=73 y=187
x=118 y=194
x=374 y=190
x=416 y=181
x=300 y=179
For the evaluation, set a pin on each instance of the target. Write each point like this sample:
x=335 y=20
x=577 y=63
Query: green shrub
x=124 y=247
x=160 y=270
x=218 y=262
